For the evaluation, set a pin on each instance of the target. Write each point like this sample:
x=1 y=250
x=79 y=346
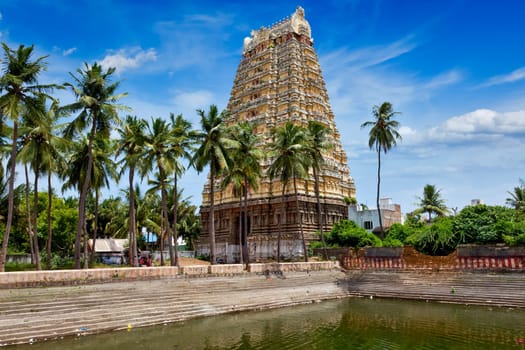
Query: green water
x=342 y=324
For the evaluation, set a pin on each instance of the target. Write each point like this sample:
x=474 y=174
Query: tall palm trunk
x=319 y=214
x=299 y=219
x=49 y=228
x=212 y=215
x=280 y=224
x=29 y=217
x=95 y=228
x=161 y=239
x=175 y=214
x=35 y=216
x=133 y=259
x=245 y=247
x=83 y=195
x=165 y=215
x=10 y=198
x=241 y=253
x=378 y=188
x=85 y=256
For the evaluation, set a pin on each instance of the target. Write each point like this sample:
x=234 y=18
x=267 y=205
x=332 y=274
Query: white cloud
x=129 y=58
x=368 y=56
x=195 y=41
x=357 y=80
x=487 y=121
x=516 y=75
x=479 y=126
x=443 y=79
x=69 y=51
x=187 y=102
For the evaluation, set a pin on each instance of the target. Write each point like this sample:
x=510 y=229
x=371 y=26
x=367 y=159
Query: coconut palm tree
x=182 y=145
x=247 y=158
x=21 y=91
x=517 y=197
x=101 y=171
x=318 y=144
x=146 y=213
x=131 y=146
x=213 y=151
x=290 y=161
x=431 y=202
x=234 y=177
x=159 y=155
x=42 y=149
x=189 y=223
x=97 y=104
x=383 y=135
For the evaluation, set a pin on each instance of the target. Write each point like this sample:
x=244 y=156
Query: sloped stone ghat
x=30 y=315
x=471 y=288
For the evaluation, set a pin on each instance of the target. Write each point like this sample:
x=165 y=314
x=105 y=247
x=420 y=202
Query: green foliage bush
x=399 y=232
x=435 y=239
x=347 y=233
x=392 y=242
x=316 y=245
x=485 y=224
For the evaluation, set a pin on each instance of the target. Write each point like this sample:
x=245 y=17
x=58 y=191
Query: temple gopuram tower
x=279 y=79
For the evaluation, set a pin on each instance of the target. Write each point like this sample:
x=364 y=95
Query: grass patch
x=14 y=267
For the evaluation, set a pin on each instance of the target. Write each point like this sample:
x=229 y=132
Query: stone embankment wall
x=465 y=258
x=74 y=277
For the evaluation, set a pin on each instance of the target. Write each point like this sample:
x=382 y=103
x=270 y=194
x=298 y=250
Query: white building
x=369 y=218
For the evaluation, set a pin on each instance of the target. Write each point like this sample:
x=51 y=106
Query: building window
x=369 y=225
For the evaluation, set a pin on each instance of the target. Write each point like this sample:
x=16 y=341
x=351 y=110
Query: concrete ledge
x=194 y=270
x=227 y=269
x=72 y=277
x=292 y=266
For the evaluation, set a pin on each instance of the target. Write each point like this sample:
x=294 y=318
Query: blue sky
x=454 y=69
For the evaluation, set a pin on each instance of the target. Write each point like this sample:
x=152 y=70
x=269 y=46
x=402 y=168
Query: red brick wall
x=410 y=259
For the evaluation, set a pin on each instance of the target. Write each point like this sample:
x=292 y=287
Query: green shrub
x=399 y=232
x=435 y=239
x=484 y=224
x=12 y=267
x=316 y=245
x=392 y=242
x=346 y=233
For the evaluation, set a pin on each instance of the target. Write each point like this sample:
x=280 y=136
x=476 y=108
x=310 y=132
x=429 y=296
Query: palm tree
x=97 y=103
x=213 y=151
x=42 y=150
x=247 y=159
x=131 y=145
x=189 y=221
x=517 y=198
x=21 y=90
x=101 y=171
x=159 y=155
x=382 y=136
x=289 y=150
x=431 y=202
x=318 y=144
x=146 y=213
x=182 y=144
x=234 y=177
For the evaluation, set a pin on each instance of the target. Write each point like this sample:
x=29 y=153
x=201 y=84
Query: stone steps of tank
x=483 y=289
x=97 y=308
x=85 y=298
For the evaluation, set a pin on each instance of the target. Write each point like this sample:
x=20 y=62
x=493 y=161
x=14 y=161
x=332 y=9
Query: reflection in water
x=343 y=324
